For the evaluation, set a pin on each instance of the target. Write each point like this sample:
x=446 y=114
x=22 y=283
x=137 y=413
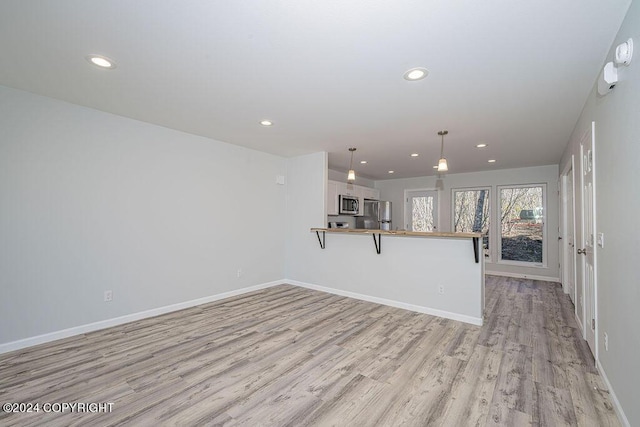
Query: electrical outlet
x=606 y=341
x=239 y=273
x=441 y=289
x=600 y=240
x=108 y=296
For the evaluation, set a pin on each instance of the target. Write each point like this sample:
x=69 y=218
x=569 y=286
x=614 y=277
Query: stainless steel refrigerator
x=377 y=215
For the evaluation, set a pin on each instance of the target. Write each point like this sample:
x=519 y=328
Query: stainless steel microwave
x=349 y=205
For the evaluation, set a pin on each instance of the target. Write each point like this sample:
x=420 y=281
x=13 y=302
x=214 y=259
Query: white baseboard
x=103 y=324
x=614 y=399
x=417 y=308
x=523 y=276
x=90 y=327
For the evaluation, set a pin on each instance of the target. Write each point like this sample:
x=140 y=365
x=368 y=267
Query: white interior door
x=586 y=251
x=421 y=210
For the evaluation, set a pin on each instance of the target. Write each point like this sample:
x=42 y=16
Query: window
x=522 y=219
x=421 y=210
x=472 y=213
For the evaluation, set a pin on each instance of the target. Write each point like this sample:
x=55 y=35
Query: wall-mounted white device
x=609 y=74
x=608 y=78
x=624 y=52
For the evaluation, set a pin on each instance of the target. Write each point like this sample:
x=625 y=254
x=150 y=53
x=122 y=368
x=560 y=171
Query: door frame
x=568 y=254
x=404 y=204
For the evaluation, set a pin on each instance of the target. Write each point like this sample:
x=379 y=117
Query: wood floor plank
x=554 y=407
x=514 y=385
x=349 y=407
x=601 y=400
x=473 y=390
x=287 y=355
x=501 y=416
x=423 y=399
x=461 y=346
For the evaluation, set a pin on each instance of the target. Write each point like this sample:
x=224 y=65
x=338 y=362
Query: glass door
x=421 y=210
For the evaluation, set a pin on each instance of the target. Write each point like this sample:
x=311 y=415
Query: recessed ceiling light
x=363 y=162
x=414 y=154
x=491 y=161
x=391 y=171
x=101 y=61
x=417 y=73
x=481 y=145
x=266 y=122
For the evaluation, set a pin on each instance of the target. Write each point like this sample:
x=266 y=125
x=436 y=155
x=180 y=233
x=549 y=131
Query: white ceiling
x=513 y=74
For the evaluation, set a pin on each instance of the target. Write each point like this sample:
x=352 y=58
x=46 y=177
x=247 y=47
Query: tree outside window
x=422 y=213
x=522 y=223
x=472 y=213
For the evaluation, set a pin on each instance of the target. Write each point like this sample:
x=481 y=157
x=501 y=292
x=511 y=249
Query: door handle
x=582 y=251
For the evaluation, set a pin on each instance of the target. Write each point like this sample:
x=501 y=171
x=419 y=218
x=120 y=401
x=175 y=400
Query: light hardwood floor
x=292 y=356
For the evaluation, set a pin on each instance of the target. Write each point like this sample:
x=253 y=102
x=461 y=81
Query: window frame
x=488 y=254
x=545 y=243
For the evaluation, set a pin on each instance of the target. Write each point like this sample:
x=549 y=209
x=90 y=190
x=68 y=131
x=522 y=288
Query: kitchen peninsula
x=429 y=272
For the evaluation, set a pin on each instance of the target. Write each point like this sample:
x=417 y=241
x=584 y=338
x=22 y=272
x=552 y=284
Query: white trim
x=102 y=324
x=417 y=308
x=526 y=264
x=614 y=399
x=566 y=253
x=596 y=338
x=523 y=276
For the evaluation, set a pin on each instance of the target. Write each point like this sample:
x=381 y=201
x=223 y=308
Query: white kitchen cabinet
x=332 y=198
x=349 y=190
x=337 y=188
x=370 y=193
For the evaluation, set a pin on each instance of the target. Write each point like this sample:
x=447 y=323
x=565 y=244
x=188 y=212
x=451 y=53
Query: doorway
x=421 y=210
x=567 y=242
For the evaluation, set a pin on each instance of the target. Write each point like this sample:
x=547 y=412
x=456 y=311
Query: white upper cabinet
x=348 y=189
x=370 y=193
x=332 y=198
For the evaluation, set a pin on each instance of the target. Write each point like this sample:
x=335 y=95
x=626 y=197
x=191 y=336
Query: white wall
x=393 y=190
x=306 y=199
x=90 y=201
x=408 y=271
x=617 y=155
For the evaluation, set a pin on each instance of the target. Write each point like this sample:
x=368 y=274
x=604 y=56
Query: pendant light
x=442 y=163
x=351 y=177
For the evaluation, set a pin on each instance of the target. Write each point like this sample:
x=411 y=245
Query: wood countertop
x=400 y=233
